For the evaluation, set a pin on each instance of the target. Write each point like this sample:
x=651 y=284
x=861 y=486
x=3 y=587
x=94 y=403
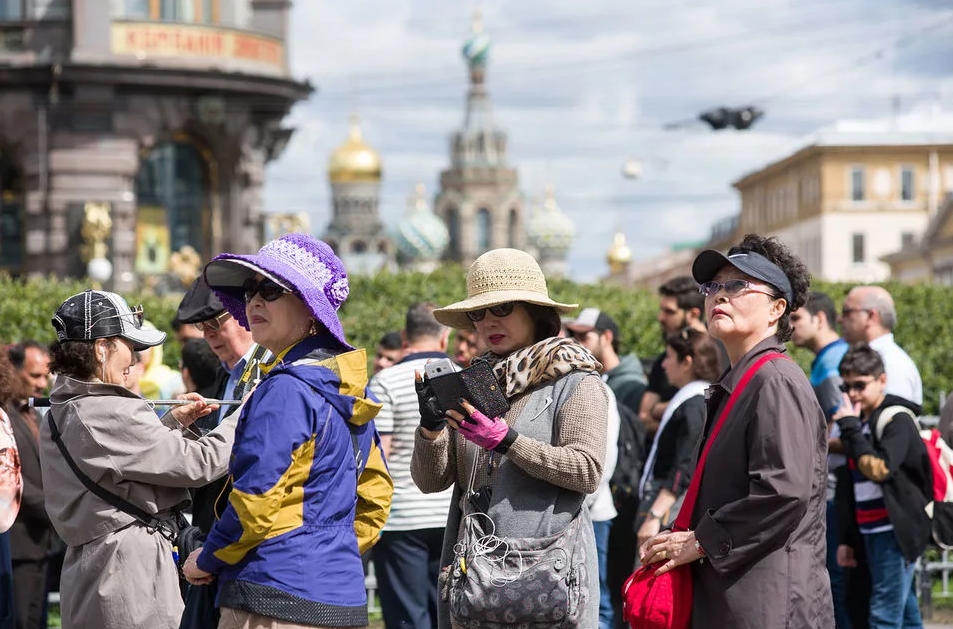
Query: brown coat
x=760 y=513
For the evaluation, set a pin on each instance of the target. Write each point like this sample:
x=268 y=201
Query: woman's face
x=678 y=372
x=502 y=335
x=278 y=324
x=743 y=316
x=115 y=360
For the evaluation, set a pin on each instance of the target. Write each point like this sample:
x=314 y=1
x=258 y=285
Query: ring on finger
x=663 y=554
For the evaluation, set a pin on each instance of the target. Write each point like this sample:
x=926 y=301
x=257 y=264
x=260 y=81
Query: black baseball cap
x=199 y=304
x=593 y=319
x=709 y=262
x=97 y=314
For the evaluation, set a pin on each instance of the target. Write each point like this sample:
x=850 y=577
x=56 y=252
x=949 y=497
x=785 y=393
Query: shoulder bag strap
x=683 y=521
x=149 y=520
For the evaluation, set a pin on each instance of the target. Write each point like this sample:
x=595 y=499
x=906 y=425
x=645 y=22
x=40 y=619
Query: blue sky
x=582 y=86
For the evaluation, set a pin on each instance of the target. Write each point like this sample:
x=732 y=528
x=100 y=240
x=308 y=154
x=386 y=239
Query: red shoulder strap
x=683 y=521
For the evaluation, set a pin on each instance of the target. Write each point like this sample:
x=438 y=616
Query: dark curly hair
x=76 y=359
x=11 y=387
x=778 y=253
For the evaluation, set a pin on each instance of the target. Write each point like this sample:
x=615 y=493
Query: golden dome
x=354 y=160
x=619 y=254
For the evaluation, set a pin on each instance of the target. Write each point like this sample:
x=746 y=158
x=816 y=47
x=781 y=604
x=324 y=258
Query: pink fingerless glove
x=492 y=434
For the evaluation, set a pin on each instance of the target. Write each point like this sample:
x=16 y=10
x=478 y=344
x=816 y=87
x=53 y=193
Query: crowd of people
x=257 y=498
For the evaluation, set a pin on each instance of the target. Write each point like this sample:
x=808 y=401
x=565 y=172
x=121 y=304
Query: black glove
x=432 y=417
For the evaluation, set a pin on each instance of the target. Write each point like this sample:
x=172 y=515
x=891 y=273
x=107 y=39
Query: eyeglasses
x=732 y=288
x=582 y=336
x=136 y=313
x=213 y=324
x=858 y=386
x=268 y=289
x=500 y=310
x=846 y=312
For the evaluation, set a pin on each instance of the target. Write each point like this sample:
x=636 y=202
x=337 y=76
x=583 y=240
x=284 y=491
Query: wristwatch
x=652 y=514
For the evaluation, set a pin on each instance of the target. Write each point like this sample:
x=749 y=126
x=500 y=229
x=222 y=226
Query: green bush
x=377 y=305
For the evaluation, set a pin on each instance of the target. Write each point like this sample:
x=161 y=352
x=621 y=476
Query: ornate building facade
x=356 y=232
x=163 y=113
x=479 y=197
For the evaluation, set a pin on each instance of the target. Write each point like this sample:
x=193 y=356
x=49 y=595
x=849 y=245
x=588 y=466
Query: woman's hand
x=649 y=529
x=478 y=428
x=194 y=574
x=674 y=548
x=186 y=414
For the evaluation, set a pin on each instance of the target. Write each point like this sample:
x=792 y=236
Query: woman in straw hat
x=310 y=490
x=521 y=478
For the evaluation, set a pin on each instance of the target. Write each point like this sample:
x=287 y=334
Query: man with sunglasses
x=240 y=357
x=869 y=316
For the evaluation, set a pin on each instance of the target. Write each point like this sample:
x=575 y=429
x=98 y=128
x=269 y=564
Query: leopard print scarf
x=541 y=362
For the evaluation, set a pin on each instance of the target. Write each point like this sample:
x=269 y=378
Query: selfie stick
x=44 y=402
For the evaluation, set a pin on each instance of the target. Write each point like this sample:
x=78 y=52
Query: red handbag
x=665 y=602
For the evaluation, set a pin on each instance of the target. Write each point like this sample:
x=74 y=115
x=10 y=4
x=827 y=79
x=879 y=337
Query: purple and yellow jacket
x=289 y=544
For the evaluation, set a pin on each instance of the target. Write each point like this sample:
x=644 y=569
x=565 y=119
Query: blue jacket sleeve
x=273 y=454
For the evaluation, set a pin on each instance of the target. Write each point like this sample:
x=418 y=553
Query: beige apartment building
x=930 y=259
x=851 y=194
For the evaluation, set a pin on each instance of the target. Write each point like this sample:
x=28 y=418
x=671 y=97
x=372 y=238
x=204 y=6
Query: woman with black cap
x=115 y=474
x=756 y=538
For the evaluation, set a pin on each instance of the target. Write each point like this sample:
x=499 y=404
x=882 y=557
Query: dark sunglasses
x=857 y=386
x=268 y=289
x=500 y=310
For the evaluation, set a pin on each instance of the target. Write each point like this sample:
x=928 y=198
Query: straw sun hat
x=497 y=277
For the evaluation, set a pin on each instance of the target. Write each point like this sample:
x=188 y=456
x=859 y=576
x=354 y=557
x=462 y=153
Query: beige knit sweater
x=575 y=464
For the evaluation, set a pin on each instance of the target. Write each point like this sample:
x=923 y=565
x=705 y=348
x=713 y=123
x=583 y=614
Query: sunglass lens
x=270 y=291
x=476 y=315
x=502 y=310
x=735 y=287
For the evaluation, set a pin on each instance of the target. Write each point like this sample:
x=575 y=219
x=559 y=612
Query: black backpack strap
x=150 y=521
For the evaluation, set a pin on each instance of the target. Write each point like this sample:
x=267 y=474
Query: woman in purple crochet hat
x=310 y=489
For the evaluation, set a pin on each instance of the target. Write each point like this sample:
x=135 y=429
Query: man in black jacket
x=892 y=485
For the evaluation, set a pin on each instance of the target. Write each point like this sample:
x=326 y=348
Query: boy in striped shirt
x=892 y=485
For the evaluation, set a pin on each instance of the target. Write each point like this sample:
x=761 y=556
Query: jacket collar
x=730 y=379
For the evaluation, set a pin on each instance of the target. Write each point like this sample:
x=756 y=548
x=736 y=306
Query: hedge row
x=377 y=304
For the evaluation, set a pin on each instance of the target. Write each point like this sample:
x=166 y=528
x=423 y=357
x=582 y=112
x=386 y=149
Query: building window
x=857 y=248
x=907 y=191
x=11 y=216
x=453 y=227
x=907 y=240
x=483 y=230
x=173 y=205
x=199 y=11
x=514 y=228
x=11 y=10
x=857 y=183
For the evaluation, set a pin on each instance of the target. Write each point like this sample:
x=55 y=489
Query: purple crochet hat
x=298 y=262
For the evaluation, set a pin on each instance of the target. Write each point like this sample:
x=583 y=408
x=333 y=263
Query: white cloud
x=580 y=87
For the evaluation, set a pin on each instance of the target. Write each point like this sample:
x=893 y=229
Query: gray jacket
x=117 y=440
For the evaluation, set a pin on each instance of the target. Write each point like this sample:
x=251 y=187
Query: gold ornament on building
x=354 y=161
x=619 y=255
x=96 y=230
x=185 y=264
x=283 y=224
